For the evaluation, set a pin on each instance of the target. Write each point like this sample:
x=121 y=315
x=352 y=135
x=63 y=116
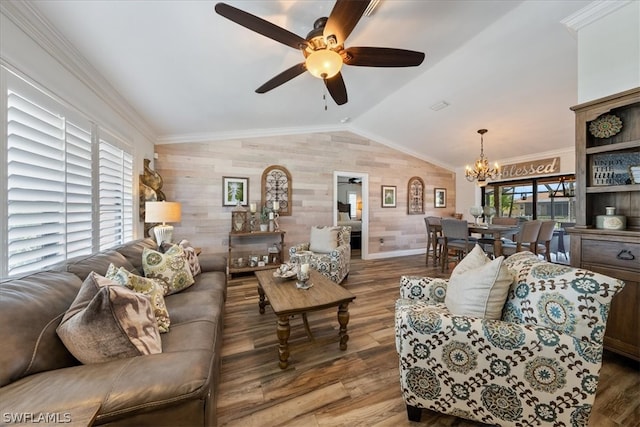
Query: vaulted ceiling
x=508 y=66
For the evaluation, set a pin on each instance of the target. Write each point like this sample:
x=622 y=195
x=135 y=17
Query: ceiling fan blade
x=382 y=57
x=344 y=17
x=260 y=26
x=282 y=78
x=337 y=89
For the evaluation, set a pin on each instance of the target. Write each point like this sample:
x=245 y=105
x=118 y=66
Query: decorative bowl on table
x=285 y=271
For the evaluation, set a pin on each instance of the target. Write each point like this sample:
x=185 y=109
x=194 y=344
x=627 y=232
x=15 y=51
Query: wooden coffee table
x=286 y=300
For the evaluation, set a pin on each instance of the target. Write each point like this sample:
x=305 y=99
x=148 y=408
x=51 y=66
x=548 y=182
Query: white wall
x=609 y=54
x=33 y=50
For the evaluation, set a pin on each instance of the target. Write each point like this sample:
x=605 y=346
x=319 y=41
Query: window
x=352 y=199
x=56 y=173
x=537 y=198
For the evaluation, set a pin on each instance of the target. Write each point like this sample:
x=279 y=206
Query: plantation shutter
x=41 y=182
x=116 y=198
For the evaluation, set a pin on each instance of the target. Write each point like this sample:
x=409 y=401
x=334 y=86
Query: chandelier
x=481 y=170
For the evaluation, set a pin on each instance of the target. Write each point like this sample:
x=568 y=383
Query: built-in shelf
x=613 y=188
x=614 y=147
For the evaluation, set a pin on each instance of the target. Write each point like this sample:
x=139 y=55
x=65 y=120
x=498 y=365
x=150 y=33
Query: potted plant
x=264 y=219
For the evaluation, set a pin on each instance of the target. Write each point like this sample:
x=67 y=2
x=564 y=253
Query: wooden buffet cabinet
x=612 y=252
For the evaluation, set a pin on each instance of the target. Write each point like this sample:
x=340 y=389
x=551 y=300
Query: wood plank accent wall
x=193 y=172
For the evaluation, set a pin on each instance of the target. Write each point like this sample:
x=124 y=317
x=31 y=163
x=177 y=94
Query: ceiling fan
x=324 y=46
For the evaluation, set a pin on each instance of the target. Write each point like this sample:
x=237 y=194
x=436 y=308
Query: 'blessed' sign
x=536 y=167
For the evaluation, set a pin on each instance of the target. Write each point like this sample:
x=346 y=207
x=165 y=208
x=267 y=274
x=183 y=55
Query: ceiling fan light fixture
x=324 y=63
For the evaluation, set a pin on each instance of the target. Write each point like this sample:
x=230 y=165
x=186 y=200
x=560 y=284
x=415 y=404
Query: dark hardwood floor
x=324 y=386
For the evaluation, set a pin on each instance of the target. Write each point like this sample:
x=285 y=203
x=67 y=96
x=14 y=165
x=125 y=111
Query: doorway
x=351 y=207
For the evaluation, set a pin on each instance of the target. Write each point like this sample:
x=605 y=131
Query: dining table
x=496 y=231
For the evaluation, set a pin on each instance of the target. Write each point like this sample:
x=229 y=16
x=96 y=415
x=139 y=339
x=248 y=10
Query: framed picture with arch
x=276 y=187
x=415 y=196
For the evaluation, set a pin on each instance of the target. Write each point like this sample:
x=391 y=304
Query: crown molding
x=591 y=13
x=27 y=17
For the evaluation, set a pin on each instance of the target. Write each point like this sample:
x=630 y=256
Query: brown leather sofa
x=42 y=382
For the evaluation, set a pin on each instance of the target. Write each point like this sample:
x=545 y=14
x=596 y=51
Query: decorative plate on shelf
x=605 y=126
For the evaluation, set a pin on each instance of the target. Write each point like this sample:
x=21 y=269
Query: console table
x=239 y=239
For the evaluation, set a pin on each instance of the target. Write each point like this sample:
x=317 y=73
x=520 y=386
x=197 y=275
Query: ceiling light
x=481 y=170
x=324 y=63
x=439 y=105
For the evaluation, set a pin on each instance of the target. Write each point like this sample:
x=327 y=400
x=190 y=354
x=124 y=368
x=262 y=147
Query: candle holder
x=276 y=215
x=253 y=221
x=304 y=264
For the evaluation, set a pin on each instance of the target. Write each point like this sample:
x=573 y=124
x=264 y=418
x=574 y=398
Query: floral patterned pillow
x=171 y=268
x=148 y=287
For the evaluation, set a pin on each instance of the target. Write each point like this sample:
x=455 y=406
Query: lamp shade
x=162 y=212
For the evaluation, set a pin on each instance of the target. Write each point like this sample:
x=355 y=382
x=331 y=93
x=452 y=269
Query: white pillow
x=343 y=216
x=478 y=286
x=323 y=239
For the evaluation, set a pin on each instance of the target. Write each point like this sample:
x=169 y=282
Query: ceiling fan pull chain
x=324 y=97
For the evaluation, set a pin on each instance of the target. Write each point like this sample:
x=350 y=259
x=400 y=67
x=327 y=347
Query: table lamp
x=163 y=212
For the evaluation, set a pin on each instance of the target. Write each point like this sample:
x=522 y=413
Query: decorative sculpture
x=150 y=191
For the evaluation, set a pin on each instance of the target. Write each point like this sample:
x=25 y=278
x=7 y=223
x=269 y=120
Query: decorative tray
x=289 y=274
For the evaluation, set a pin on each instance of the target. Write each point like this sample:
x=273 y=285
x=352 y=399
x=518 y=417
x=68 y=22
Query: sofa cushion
x=478 y=286
x=169 y=268
x=323 y=239
x=31 y=308
x=83 y=265
x=148 y=287
x=132 y=251
x=108 y=321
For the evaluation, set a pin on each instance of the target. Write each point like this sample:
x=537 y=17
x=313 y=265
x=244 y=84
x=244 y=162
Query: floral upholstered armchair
x=537 y=365
x=331 y=247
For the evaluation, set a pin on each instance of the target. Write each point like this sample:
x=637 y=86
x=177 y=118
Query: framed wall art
x=388 y=196
x=440 y=197
x=235 y=190
x=415 y=196
x=276 y=187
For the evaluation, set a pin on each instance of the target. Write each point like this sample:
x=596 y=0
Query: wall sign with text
x=532 y=168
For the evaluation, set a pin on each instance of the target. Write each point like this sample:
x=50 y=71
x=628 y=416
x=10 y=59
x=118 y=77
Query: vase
x=611 y=221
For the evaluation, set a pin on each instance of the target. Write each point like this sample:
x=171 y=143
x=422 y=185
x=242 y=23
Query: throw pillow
x=478 y=286
x=145 y=286
x=170 y=268
x=107 y=321
x=323 y=239
x=343 y=216
x=192 y=257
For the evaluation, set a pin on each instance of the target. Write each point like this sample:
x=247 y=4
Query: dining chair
x=543 y=246
x=455 y=238
x=526 y=239
x=434 y=238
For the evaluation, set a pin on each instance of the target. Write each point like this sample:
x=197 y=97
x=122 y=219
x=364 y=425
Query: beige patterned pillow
x=171 y=268
x=192 y=257
x=148 y=287
x=107 y=321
